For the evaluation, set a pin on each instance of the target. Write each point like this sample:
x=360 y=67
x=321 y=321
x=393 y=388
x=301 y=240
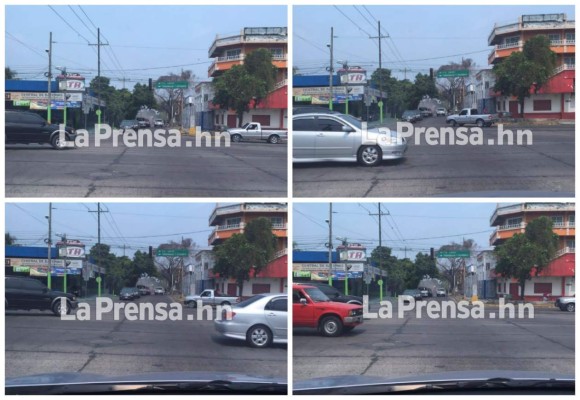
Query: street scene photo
x=442 y=298
x=198 y=110
x=135 y=298
x=421 y=101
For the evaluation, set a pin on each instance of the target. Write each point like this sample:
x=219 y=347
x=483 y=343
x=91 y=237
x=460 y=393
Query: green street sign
x=454 y=254
x=172 y=253
x=21 y=269
x=172 y=85
x=453 y=73
x=301 y=274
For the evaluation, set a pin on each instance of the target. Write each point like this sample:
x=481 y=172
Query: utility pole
x=49 y=104
x=380 y=214
x=49 y=274
x=99 y=211
x=380 y=69
x=65 y=265
x=330 y=78
x=330 y=246
x=99 y=44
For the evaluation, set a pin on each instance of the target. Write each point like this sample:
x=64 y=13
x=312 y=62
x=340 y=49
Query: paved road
x=413 y=346
x=542 y=169
x=242 y=170
x=39 y=342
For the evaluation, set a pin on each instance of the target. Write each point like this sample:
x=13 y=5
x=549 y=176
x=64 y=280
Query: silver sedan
x=260 y=320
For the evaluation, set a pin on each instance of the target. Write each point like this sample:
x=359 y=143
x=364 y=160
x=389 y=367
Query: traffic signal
x=150 y=251
x=432 y=253
x=150 y=84
x=431 y=73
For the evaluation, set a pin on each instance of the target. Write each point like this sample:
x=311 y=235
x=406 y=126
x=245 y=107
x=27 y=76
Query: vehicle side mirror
x=337 y=294
x=346 y=129
x=45 y=290
x=303 y=301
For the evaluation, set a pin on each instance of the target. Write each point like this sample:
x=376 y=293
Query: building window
x=542 y=105
x=571 y=219
x=571 y=243
x=486 y=85
x=233 y=222
x=511 y=41
x=233 y=54
x=487 y=266
x=262 y=119
x=558 y=221
x=543 y=287
x=570 y=60
x=571 y=36
x=514 y=222
x=277 y=222
x=554 y=38
x=277 y=53
x=259 y=288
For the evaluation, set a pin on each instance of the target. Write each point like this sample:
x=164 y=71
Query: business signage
x=71 y=251
x=55 y=105
x=21 y=269
x=71 y=85
x=353 y=255
x=21 y=103
x=32 y=96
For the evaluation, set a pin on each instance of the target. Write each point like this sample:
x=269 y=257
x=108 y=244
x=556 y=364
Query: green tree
x=102 y=256
x=259 y=65
x=452 y=267
x=524 y=73
x=236 y=88
x=527 y=253
x=9 y=73
x=244 y=255
x=423 y=86
x=9 y=240
x=118 y=105
x=423 y=267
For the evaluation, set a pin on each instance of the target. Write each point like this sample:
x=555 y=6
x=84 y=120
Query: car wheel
x=56 y=308
x=274 y=139
x=259 y=336
x=236 y=138
x=570 y=307
x=453 y=123
x=191 y=304
x=225 y=303
x=480 y=123
x=331 y=326
x=56 y=143
x=370 y=156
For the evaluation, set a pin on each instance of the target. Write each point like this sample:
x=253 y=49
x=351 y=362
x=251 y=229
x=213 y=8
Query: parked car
x=210 y=297
x=260 y=320
x=312 y=109
x=23 y=127
x=254 y=131
x=136 y=293
x=22 y=293
x=409 y=116
x=470 y=116
x=441 y=292
x=127 y=293
x=425 y=292
x=409 y=294
x=567 y=303
x=143 y=123
x=313 y=309
x=129 y=124
x=159 y=123
x=144 y=291
x=441 y=111
x=340 y=137
x=425 y=112
x=334 y=294
x=159 y=290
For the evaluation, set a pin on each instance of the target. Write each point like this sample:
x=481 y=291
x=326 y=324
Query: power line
x=69 y=25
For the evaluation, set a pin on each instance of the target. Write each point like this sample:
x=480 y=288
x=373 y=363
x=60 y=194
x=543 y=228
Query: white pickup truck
x=470 y=116
x=209 y=297
x=254 y=131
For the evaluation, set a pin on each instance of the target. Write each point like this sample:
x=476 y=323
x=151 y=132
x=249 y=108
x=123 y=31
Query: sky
x=414 y=226
x=417 y=33
x=134 y=225
x=141 y=38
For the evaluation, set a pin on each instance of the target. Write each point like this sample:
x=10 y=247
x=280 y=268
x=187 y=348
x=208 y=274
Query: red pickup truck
x=313 y=309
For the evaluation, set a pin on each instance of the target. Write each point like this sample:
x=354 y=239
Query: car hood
x=445 y=381
x=334 y=305
x=71 y=382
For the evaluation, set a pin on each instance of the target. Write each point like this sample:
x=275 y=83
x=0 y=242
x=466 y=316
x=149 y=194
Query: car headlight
x=352 y=313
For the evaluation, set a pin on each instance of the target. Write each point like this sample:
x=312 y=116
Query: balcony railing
x=228 y=227
x=565 y=250
x=280 y=84
x=508 y=227
x=563 y=42
x=248 y=207
x=521 y=207
x=280 y=253
x=564 y=67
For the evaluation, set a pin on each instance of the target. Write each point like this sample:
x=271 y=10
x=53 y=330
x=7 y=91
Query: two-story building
x=557 y=279
x=228 y=220
x=556 y=98
x=228 y=51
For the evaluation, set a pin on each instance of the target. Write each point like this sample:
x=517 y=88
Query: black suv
x=28 y=127
x=333 y=293
x=31 y=294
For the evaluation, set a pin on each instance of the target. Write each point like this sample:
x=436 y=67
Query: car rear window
x=249 y=301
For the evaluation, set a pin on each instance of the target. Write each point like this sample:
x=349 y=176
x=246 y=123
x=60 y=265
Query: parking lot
x=544 y=168
x=250 y=169
x=39 y=342
x=411 y=346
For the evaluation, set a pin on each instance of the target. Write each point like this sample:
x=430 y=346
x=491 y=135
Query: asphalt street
x=544 y=168
x=412 y=346
x=39 y=342
x=247 y=169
